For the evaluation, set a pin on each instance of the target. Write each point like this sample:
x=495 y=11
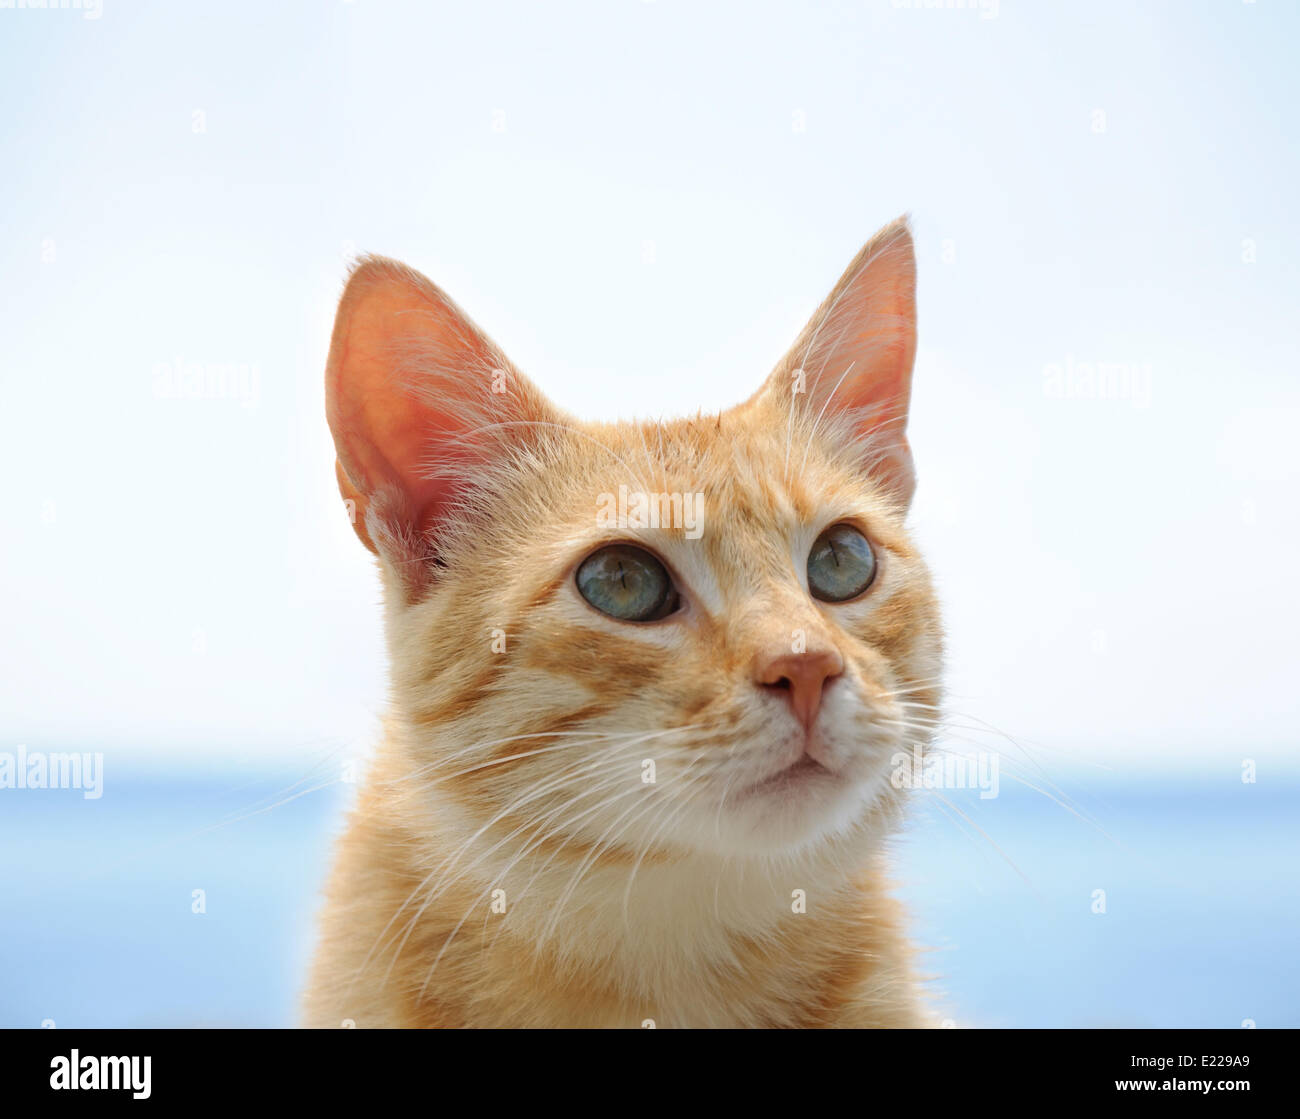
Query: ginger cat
x=648 y=682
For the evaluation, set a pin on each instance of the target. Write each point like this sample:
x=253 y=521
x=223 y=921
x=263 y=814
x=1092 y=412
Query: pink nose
x=803 y=677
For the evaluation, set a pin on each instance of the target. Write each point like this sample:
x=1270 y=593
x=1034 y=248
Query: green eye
x=627 y=583
x=841 y=564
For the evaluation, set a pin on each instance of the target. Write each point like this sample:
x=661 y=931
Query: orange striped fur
x=566 y=823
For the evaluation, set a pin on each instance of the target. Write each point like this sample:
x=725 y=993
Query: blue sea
x=1156 y=903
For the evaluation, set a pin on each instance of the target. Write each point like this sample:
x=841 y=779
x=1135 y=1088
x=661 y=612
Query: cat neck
x=668 y=936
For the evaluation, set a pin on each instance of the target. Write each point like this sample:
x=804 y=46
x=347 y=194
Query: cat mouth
x=805 y=772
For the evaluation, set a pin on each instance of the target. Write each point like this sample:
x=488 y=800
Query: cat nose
x=803 y=677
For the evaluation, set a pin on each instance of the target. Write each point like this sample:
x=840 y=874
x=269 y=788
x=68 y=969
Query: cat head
x=708 y=634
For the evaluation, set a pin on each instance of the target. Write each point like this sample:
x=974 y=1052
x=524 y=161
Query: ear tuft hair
x=849 y=374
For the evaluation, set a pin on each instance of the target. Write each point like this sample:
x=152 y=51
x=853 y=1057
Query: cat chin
x=789 y=818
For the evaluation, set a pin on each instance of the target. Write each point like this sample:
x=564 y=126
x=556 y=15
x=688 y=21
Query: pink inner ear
x=388 y=427
x=871 y=372
x=858 y=357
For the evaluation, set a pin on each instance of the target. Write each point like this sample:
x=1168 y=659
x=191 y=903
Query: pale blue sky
x=642 y=202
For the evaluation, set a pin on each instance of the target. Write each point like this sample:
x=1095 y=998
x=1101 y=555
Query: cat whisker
x=1009 y=861
x=587 y=860
x=562 y=831
x=648 y=846
x=1063 y=802
x=445 y=866
x=441 y=763
x=548 y=786
x=557 y=780
x=537 y=841
x=1051 y=791
x=262 y=811
x=634 y=740
x=592 y=855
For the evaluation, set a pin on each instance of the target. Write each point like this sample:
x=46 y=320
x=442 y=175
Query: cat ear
x=417 y=397
x=851 y=369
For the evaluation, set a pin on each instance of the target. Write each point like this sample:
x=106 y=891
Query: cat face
x=637 y=640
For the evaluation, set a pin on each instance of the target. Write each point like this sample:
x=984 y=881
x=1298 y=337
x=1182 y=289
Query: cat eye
x=627 y=583
x=841 y=564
